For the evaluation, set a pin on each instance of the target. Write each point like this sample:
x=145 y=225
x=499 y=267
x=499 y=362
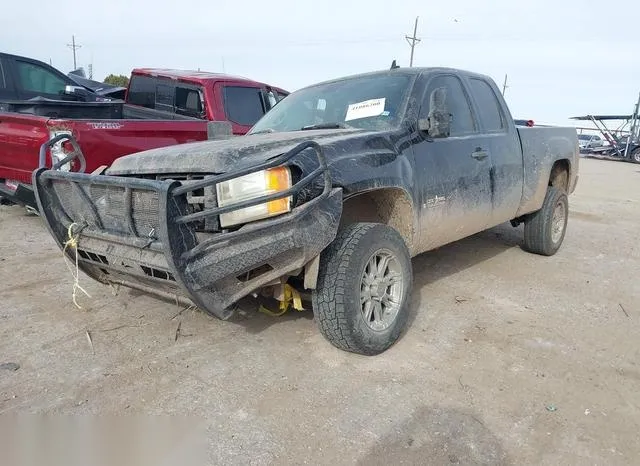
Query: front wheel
x=544 y=230
x=361 y=300
x=635 y=155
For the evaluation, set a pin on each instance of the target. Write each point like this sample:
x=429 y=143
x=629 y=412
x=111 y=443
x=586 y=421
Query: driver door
x=34 y=80
x=453 y=172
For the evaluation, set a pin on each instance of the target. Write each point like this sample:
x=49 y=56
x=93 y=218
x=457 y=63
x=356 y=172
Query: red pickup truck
x=162 y=108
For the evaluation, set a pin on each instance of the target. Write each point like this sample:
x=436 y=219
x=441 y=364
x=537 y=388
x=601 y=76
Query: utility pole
x=73 y=46
x=504 y=86
x=413 y=40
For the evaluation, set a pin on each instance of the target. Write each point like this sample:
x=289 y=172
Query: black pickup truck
x=23 y=78
x=330 y=194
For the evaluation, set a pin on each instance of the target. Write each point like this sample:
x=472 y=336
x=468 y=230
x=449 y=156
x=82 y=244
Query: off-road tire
x=337 y=298
x=539 y=226
x=635 y=155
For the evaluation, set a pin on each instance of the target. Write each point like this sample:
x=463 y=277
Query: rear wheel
x=361 y=301
x=544 y=230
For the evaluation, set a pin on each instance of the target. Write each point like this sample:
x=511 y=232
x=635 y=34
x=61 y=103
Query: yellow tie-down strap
x=291 y=297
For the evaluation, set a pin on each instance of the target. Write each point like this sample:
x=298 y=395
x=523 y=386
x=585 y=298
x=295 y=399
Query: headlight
x=249 y=187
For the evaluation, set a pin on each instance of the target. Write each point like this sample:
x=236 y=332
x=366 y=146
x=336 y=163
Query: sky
x=563 y=58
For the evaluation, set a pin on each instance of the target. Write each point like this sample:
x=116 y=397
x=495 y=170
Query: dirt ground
x=509 y=358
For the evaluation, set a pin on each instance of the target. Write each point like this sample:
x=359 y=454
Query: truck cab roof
x=413 y=71
x=202 y=78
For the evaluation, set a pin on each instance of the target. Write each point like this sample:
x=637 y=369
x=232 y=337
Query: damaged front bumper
x=140 y=233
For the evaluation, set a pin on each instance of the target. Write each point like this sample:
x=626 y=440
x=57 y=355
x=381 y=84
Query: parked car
x=331 y=193
x=589 y=141
x=162 y=108
x=23 y=78
x=620 y=147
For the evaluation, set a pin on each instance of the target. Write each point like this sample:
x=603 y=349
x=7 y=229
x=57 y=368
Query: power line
x=73 y=46
x=413 y=40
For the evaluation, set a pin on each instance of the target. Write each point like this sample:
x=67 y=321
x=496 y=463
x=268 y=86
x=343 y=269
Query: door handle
x=479 y=154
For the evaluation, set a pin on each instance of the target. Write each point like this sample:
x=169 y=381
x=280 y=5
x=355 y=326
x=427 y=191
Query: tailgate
x=20 y=139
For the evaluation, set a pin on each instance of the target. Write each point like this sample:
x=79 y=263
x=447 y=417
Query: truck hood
x=219 y=156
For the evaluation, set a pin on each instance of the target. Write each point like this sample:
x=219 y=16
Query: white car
x=589 y=141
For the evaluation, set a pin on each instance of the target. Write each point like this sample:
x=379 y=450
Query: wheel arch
x=391 y=206
x=560 y=174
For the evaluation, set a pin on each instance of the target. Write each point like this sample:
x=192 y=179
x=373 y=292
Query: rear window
x=142 y=91
x=3 y=82
x=188 y=102
x=165 y=95
x=243 y=105
x=490 y=112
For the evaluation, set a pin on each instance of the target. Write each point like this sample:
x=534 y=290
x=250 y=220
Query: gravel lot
x=509 y=358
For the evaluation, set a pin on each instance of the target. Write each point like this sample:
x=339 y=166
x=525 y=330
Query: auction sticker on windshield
x=368 y=108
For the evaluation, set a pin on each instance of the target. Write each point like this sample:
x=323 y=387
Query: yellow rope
x=266 y=311
x=291 y=296
x=72 y=242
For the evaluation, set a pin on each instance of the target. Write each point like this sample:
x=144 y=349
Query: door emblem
x=434 y=202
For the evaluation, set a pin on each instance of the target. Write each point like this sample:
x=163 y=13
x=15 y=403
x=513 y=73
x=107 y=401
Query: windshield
x=371 y=102
x=585 y=137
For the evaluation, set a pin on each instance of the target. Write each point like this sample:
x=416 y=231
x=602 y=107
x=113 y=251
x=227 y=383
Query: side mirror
x=438 y=122
x=76 y=91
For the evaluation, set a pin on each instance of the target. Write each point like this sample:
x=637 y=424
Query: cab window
x=462 y=120
x=491 y=115
x=188 y=102
x=243 y=105
x=142 y=91
x=37 y=79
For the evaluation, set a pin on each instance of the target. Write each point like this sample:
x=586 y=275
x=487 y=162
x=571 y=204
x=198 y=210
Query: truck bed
x=114 y=110
x=541 y=146
x=102 y=140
